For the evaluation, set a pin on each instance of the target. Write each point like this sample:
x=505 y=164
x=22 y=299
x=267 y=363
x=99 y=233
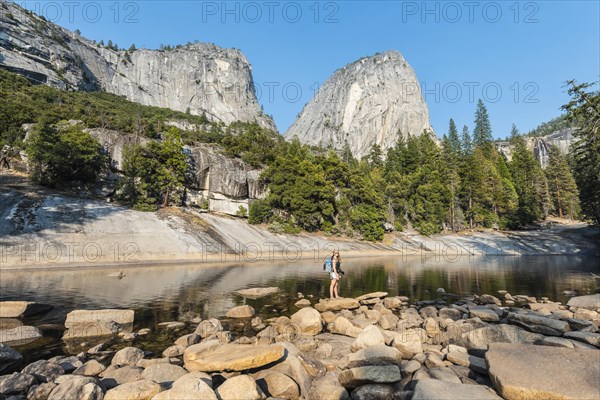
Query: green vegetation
x=62 y=156
x=562 y=186
x=584 y=108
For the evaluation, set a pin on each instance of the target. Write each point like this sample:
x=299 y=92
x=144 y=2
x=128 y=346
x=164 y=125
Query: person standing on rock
x=336 y=262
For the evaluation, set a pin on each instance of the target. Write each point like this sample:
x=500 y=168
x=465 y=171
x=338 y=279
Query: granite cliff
x=200 y=78
x=540 y=146
x=367 y=102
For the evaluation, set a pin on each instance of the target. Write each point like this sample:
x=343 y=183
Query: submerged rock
x=241 y=312
x=257 y=293
x=18 y=309
x=20 y=335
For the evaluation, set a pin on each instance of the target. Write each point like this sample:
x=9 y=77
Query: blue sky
x=514 y=55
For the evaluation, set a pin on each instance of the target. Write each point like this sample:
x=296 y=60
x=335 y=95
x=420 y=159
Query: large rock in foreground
x=521 y=371
x=430 y=389
x=17 y=309
x=231 y=357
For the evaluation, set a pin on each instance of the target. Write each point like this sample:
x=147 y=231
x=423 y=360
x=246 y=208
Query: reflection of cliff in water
x=161 y=293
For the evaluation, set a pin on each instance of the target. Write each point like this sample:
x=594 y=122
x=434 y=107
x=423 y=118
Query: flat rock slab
x=122 y=317
x=257 y=293
x=591 y=302
x=20 y=335
x=337 y=305
x=523 y=371
x=539 y=324
x=374 y=295
x=354 y=377
x=429 y=389
x=232 y=357
x=17 y=309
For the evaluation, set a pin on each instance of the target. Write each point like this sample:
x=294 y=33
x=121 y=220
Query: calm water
x=162 y=293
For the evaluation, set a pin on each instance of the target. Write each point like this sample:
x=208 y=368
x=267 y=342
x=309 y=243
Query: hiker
x=335 y=275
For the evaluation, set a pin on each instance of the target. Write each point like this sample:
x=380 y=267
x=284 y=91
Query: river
x=163 y=293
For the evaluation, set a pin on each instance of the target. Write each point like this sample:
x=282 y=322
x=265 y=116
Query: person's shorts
x=333 y=275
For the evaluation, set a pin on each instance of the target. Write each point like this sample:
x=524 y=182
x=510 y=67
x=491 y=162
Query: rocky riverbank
x=370 y=347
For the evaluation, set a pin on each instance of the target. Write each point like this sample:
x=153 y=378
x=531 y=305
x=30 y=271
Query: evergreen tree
x=530 y=184
x=482 y=134
x=375 y=156
x=561 y=183
x=453 y=138
x=466 y=142
x=584 y=108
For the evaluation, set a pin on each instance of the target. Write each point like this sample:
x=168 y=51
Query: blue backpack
x=328 y=266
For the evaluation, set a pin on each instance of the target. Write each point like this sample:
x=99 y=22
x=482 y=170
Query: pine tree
x=530 y=184
x=584 y=108
x=482 y=134
x=375 y=156
x=466 y=142
x=455 y=143
x=561 y=183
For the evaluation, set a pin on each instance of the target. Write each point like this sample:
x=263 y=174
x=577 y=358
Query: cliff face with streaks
x=201 y=78
x=370 y=101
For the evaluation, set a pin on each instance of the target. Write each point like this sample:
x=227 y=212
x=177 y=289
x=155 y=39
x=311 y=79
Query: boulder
x=302 y=303
x=308 y=320
x=354 y=377
x=327 y=389
x=163 y=374
x=41 y=391
x=586 y=337
x=127 y=356
x=409 y=342
x=451 y=313
x=477 y=364
x=342 y=326
x=278 y=385
x=174 y=351
x=144 y=363
x=257 y=293
x=19 y=309
x=489 y=299
x=543 y=308
x=428 y=389
x=44 y=371
x=375 y=355
x=231 y=357
x=9 y=358
x=337 y=305
x=241 y=312
x=114 y=376
x=485 y=314
x=521 y=371
x=409 y=367
x=481 y=337
x=314 y=367
x=370 y=336
x=196 y=390
x=240 y=387
x=432 y=360
x=190 y=381
x=20 y=335
x=139 y=390
x=557 y=342
x=539 y=324
x=373 y=391
x=208 y=328
x=76 y=387
x=392 y=302
x=90 y=368
x=16 y=383
x=590 y=302
x=388 y=321
x=188 y=340
x=444 y=374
